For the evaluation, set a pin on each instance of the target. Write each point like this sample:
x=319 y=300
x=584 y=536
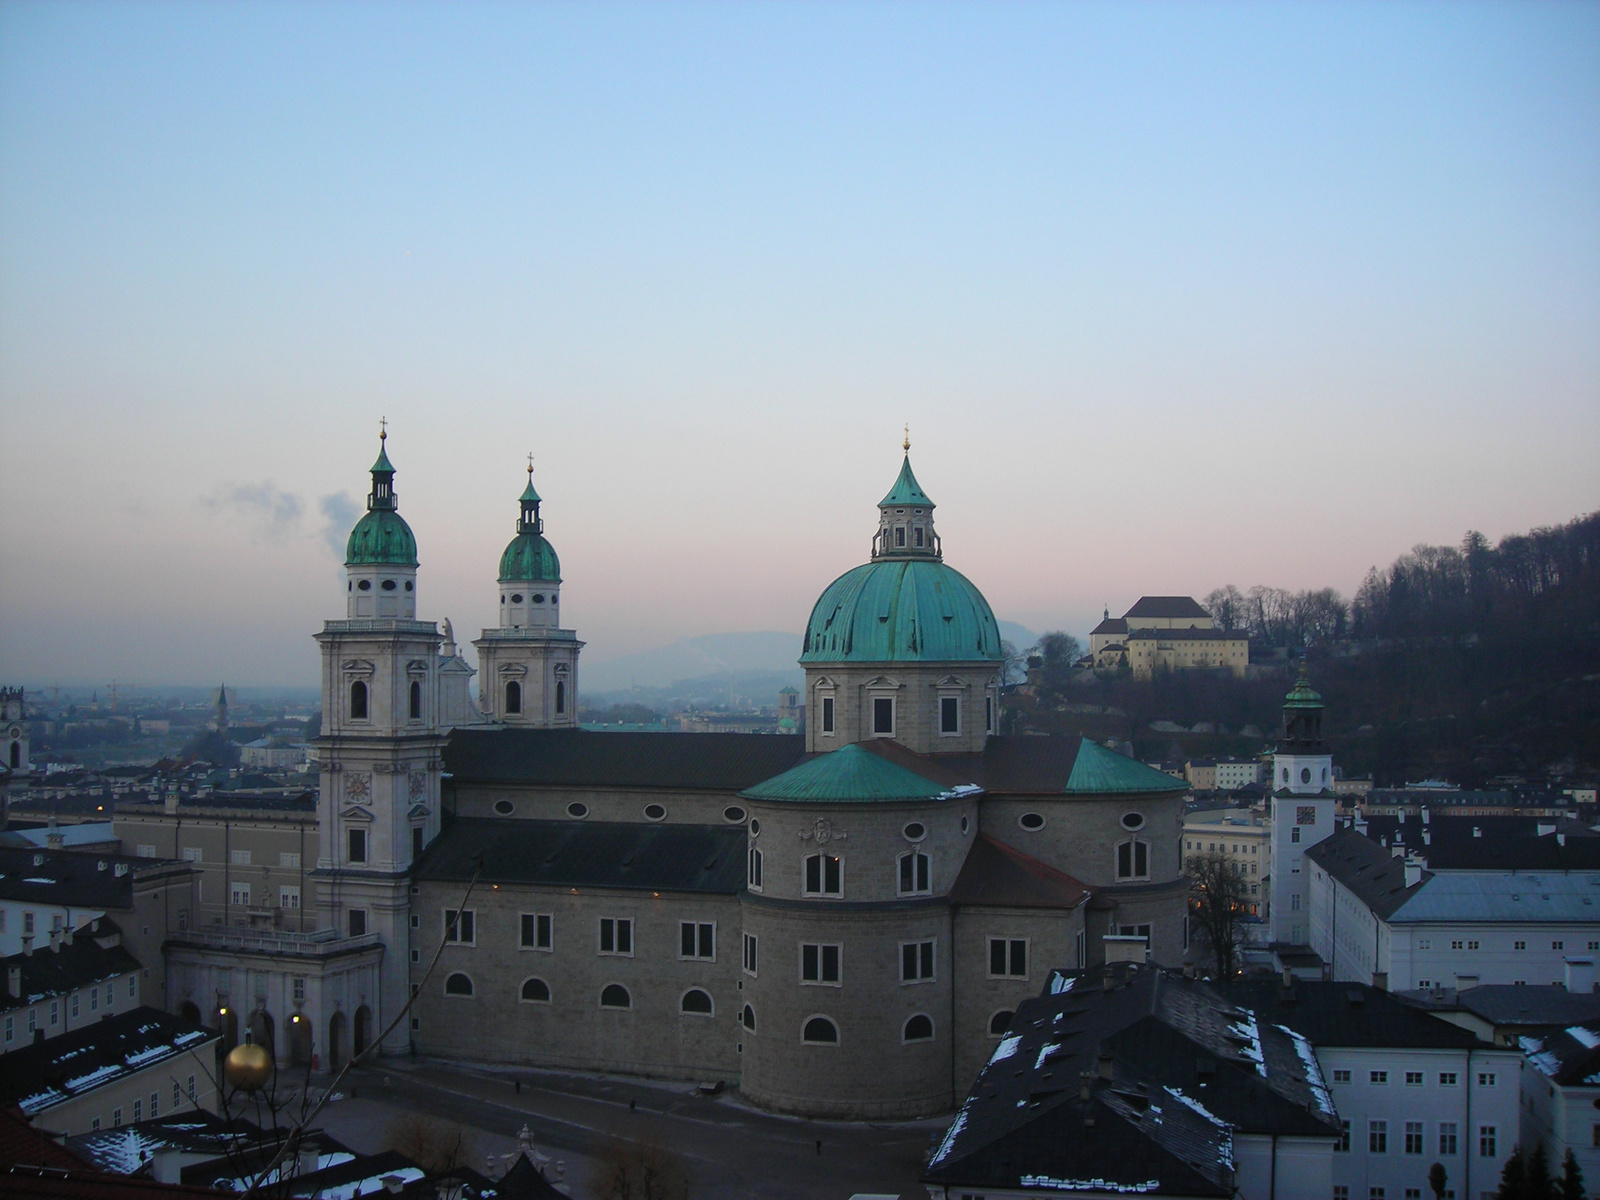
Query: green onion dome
x=382 y=536
x=902 y=610
x=530 y=557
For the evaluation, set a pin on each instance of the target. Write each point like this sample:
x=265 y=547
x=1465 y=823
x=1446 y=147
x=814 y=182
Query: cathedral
x=840 y=925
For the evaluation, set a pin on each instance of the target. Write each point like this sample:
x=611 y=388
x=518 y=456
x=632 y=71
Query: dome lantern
x=381 y=554
x=905 y=518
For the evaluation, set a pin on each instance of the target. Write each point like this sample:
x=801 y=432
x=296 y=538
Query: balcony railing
x=319 y=943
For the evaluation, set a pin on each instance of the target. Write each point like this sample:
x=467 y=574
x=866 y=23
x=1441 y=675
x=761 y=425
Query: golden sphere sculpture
x=247 y=1067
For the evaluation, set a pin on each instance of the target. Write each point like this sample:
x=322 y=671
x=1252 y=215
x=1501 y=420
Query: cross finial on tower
x=906 y=445
x=530 y=466
x=383 y=429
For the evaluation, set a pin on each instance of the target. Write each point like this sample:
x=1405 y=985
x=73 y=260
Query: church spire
x=529 y=521
x=905 y=517
x=382 y=494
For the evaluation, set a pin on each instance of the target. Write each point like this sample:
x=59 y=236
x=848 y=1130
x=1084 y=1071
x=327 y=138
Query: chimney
x=1398 y=851
x=54 y=839
x=66 y=935
x=1413 y=871
x=55 y=940
x=1427 y=837
x=1427 y=816
x=1121 y=948
x=27 y=943
x=1380 y=980
x=14 y=981
x=1477 y=831
x=1580 y=974
x=308 y=1158
x=166 y=1166
x=1085 y=1084
x=1103 y=1065
x=169 y=802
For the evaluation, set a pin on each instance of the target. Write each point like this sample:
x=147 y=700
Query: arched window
x=416 y=701
x=1000 y=1022
x=457 y=984
x=615 y=996
x=755 y=868
x=820 y=1031
x=918 y=1029
x=914 y=874
x=823 y=875
x=358 y=701
x=561 y=695
x=697 y=1002
x=513 y=696
x=536 y=991
x=1133 y=860
x=748 y=1018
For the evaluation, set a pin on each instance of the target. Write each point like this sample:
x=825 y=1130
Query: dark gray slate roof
x=56 y=971
x=1514 y=1004
x=1449 y=843
x=1166 y=607
x=666 y=858
x=1349 y=1014
x=43 y=1074
x=1173 y=1044
x=726 y=762
x=66 y=877
x=1376 y=877
x=1569 y=1056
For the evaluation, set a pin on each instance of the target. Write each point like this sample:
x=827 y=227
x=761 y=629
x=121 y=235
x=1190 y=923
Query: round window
x=365 y=585
x=504 y=807
x=964 y=824
x=388 y=585
x=538 y=597
x=1305 y=774
x=755 y=827
x=1031 y=821
x=1132 y=821
x=577 y=809
x=915 y=831
x=733 y=813
x=654 y=812
x=408 y=585
x=516 y=598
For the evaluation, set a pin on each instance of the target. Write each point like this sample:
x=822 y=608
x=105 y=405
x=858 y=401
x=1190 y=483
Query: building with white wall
x=1303 y=807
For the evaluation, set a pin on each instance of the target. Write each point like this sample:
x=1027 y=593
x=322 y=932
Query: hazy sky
x=1171 y=295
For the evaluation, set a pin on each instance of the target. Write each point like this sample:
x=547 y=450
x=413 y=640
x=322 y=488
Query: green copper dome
x=382 y=536
x=851 y=775
x=902 y=610
x=1301 y=694
x=530 y=557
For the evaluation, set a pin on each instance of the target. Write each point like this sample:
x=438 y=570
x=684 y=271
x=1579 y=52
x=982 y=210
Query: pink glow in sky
x=1172 y=296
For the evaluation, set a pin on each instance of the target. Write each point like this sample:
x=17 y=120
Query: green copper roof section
x=528 y=494
x=906 y=489
x=1098 y=771
x=848 y=776
x=532 y=558
x=383 y=463
x=901 y=610
x=1301 y=695
x=382 y=536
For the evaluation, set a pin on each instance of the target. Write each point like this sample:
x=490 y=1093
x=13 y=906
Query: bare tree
x=641 y=1171
x=438 y=1147
x=1219 y=903
x=1227 y=607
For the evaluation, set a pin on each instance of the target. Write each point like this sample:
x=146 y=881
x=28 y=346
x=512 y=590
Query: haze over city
x=1171 y=296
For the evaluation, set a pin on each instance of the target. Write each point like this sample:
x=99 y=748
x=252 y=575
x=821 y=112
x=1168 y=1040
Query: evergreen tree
x=1570 y=1185
x=1540 y=1185
x=1514 y=1178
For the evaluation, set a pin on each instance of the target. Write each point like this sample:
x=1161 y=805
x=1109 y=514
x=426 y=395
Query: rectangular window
x=916 y=962
x=824 y=875
x=1377 y=1137
x=133 y=986
x=536 y=931
x=191 y=1089
x=1341 y=1191
x=55 y=1013
x=358 y=921
x=1448 y=1145
x=988 y=714
x=914 y=874
x=239 y=858
x=883 y=715
x=138 y=1111
x=1519 y=945
x=10 y=1028
x=1413 y=1078
x=1447 y=1079
x=1488 y=1142
x=1342 y=1145
x=155 y=1105
x=239 y=893
x=289 y=897
x=1008 y=958
x=1413 y=1137
x=298 y=989
x=33 y=1019
x=1376 y=1193
x=192 y=854
x=616 y=935
x=949 y=714
x=1379 y=1078
x=116 y=1117
x=1485 y=1078
x=750 y=953
x=177 y=1094
x=827 y=714
x=72 y=1005
x=697 y=939
x=94 y=1000
x=819 y=963
x=1133 y=860
x=287 y=859
x=1558 y=945
x=461 y=928
x=755 y=869
x=1341 y=1075
x=358 y=845
x=145 y=850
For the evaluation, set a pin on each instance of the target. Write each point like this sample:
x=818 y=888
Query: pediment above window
x=825 y=682
x=416 y=667
x=359 y=666
x=952 y=681
x=356 y=813
x=512 y=670
x=417 y=812
x=883 y=683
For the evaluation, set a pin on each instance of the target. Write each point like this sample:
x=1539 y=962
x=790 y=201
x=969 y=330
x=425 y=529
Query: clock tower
x=1303 y=805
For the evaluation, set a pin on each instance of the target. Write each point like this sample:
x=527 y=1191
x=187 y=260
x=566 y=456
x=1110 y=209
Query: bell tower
x=379 y=753
x=529 y=665
x=1303 y=807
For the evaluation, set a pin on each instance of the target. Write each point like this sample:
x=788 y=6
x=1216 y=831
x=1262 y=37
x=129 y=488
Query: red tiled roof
x=1002 y=876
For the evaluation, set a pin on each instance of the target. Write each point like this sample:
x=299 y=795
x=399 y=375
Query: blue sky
x=1172 y=296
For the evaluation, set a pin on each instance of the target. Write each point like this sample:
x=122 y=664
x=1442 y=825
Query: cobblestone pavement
x=732 y=1150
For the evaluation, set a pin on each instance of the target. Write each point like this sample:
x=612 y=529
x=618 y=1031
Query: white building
x=1561 y=1095
x=1303 y=807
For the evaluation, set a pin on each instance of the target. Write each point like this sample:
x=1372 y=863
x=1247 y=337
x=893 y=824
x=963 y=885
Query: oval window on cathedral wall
x=1031 y=821
x=577 y=809
x=655 y=812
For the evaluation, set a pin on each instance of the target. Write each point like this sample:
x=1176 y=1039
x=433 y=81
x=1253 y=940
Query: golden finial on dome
x=906 y=445
x=383 y=429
